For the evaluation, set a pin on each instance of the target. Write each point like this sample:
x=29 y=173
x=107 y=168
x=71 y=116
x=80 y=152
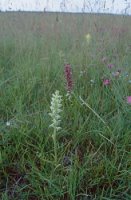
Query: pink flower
x=106 y=82
x=110 y=66
x=129 y=99
x=68 y=77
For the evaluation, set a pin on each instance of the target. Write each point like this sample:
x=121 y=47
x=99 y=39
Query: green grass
x=95 y=139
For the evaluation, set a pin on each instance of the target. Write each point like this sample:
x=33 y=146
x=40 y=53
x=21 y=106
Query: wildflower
x=106 y=82
x=110 y=66
x=56 y=104
x=8 y=123
x=129 y=99
x=92 y=81
x=82 y=72
x=55 y=110
x=88 y=38
x=68 y=77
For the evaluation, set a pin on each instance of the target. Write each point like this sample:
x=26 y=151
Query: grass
x=93 y=146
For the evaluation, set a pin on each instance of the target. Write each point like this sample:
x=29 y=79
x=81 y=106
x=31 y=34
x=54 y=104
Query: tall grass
x=93 y=151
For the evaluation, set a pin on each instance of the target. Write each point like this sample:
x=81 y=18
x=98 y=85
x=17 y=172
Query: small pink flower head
x=110 y=66
x=129 y=99
x=68 y=77
x=106 y=82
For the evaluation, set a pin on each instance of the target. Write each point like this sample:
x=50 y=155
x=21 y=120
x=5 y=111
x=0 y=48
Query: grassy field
x=90 y=158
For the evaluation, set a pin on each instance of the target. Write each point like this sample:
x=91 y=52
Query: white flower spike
x=56 y=104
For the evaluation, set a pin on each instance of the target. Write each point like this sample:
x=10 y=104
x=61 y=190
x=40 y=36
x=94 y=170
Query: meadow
x=86 y=58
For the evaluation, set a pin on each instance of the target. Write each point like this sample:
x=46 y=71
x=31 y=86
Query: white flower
x=56 y=104
x=88 y=38
x=8 y=123
x=92 y=81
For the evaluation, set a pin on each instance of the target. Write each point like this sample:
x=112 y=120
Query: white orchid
x=56 y=104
